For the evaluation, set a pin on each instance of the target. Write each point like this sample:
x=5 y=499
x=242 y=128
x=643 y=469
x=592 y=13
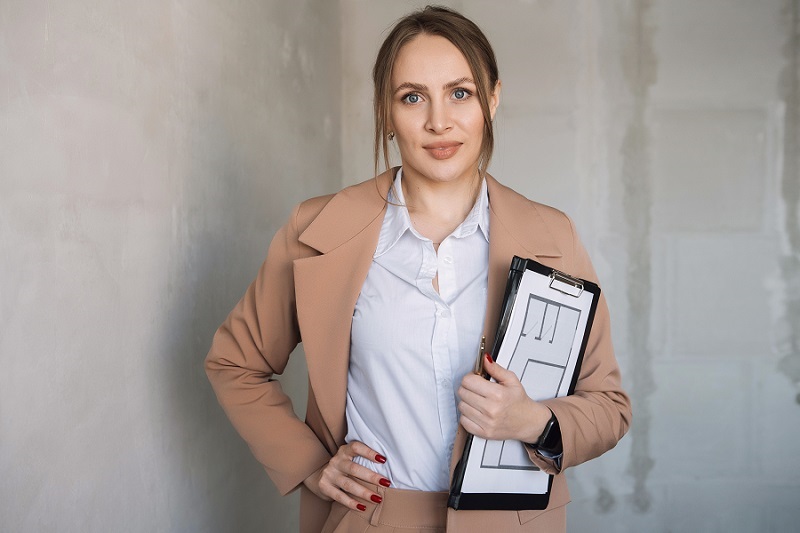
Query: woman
x=391 y=284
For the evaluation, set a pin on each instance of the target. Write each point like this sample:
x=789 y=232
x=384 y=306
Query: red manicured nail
x=361 y=507
x=376 y=498
x=385 y=482
x=489 y=358
x=380 y=458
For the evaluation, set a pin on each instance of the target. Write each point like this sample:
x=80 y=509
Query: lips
x=442 y=149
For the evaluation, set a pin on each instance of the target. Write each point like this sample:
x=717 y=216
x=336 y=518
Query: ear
x=494 y=99
x=389 y=125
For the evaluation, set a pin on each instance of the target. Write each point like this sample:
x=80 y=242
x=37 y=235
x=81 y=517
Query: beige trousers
x=426 y=512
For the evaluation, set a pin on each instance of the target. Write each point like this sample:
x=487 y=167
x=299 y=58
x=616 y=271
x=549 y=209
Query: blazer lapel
x=515 y=228
x=327 y=286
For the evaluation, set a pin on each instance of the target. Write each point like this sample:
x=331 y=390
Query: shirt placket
x=447 y=290
x=440 y=349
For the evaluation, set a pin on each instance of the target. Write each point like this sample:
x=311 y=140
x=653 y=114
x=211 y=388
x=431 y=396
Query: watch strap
x=550 y=439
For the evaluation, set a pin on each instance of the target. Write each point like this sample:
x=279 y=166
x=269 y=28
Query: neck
x=437 y=208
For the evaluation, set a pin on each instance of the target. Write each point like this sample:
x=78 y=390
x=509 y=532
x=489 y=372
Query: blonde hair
x=468 y=38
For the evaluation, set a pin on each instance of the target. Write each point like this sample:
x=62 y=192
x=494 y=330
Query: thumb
x=500 y=374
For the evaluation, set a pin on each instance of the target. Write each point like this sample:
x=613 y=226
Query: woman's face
x=435 y=111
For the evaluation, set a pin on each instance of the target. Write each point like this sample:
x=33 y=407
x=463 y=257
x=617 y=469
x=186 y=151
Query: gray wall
x=669 y=130
x=149 y=150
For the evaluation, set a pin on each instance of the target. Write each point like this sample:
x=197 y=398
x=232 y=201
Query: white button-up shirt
x=411 y=346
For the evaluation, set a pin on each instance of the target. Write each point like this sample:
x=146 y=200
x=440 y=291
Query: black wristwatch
x=550 y=439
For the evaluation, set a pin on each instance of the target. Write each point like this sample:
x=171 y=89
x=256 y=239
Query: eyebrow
x=422 y=88
x=460 y=81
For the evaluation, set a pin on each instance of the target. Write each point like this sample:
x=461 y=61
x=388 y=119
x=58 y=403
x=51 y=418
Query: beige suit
x=307 y=289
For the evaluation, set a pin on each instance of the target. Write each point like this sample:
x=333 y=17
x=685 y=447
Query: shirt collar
x=397 y=220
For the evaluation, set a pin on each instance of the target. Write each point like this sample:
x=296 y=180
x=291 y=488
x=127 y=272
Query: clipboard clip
x=566 y=284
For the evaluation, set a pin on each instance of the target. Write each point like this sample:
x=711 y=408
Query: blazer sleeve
x=251 y=346
x=598 y=414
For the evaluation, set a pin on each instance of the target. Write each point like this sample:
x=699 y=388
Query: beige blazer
x=306 y=291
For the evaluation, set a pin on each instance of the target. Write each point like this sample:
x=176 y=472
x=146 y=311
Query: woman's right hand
x=337 y=479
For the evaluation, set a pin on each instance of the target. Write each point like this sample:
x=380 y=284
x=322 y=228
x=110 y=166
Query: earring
x=391 y=135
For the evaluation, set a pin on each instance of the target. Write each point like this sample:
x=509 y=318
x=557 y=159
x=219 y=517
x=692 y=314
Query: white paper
x=541 y=346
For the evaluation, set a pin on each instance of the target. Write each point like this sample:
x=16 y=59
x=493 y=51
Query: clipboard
x=544 y=327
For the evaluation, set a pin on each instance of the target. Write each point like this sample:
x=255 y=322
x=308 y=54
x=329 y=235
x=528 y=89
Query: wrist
x=537 y=421
x=549 y=441
x=312 y=482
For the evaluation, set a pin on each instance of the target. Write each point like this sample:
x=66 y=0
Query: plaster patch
x=788 y=327
x=286 y=50
x=605 y=501
x=306 y=64
x=639 y=66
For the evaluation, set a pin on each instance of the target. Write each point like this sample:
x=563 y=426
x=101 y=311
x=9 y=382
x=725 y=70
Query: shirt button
x=444 y=314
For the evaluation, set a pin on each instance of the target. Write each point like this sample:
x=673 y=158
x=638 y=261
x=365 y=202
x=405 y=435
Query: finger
x=353 y=488
x=363 y=473
x=344 y=468
x=346 y=500
x=344 y=489
x=478 y=385
x=359 y=448
x=473 y=414
x=500 y=374
x=472 y=427
x=474 y=400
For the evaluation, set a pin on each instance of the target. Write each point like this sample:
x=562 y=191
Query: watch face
x=551 y=438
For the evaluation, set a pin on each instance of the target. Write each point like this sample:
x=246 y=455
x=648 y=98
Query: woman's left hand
x=500 y=410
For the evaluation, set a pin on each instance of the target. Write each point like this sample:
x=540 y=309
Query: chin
x=453 y=174
x=446 y=171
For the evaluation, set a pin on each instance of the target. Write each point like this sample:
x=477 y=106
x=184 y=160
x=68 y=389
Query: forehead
x=428 y=59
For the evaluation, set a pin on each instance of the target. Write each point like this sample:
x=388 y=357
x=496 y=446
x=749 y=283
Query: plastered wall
x=149 y=150
x=668 y=129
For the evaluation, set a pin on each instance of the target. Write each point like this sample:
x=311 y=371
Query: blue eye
x=412 y=98
x=461 y=94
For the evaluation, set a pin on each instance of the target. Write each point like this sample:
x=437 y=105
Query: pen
x=479 y=362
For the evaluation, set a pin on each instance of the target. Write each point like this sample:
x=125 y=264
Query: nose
x=439 y=120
